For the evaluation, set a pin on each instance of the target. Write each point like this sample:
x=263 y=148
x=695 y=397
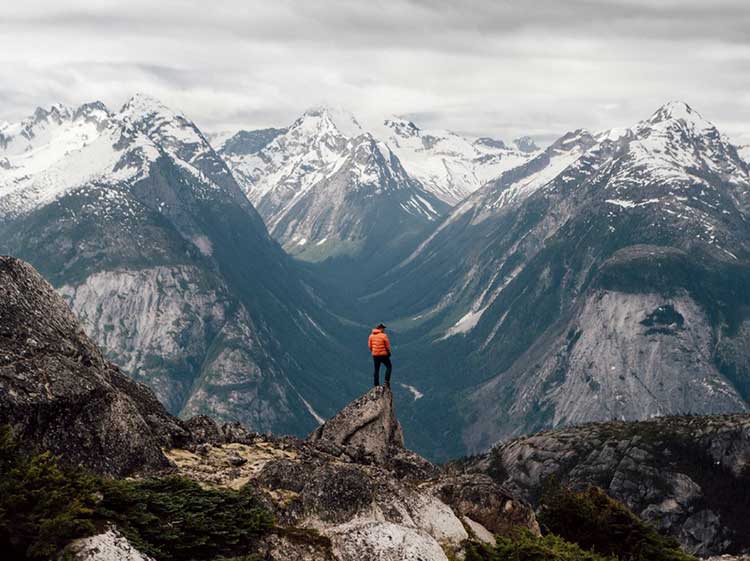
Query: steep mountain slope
x=617 y=288
x=451 y=269
x=140 y=224
x=687 y=476
x=326 y=186
x=449 y=165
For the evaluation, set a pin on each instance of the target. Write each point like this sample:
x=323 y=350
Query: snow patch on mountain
x=631 y=204
x=414 y=391
x=320 y=420
x=204 y=245
x=60 y=149
x=466 y=323
x=675 y=145
x=451 y=166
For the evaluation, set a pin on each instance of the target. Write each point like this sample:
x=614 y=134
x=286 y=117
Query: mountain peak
x=325 y=117
x=94 y=110
x=402 y=127
x=142 y=104
x=57 y=111
x=679 y=111
x=491 y=142
x=525 y=144
x=678 y=138
x=172 y=129
x=572 y=139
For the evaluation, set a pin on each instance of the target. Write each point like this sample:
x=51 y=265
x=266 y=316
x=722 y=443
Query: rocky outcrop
x=58 y=393
x=688 y=476
x=367 y=427
x=354 y=483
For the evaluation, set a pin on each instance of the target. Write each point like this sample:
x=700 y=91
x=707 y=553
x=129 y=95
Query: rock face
x=367 y=426
x=477 y=497
x=688 y=476
x=59 y=393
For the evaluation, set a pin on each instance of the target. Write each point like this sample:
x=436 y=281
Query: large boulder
x=366 y=427
x=295 y=545
x=110 y=545
x=384 y=541
x=478 y=498
x=58 y=393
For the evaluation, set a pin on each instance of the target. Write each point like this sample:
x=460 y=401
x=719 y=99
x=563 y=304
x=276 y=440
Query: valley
x=601 y=277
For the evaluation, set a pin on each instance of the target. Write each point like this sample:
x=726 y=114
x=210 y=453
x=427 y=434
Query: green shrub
x=599 y=523
x=175 y=518
x=42 y=507
x=528 y=547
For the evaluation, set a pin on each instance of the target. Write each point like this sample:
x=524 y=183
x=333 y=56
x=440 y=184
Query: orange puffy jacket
x=379 y=343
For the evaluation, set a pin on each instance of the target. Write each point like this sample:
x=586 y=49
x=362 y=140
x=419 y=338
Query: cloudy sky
x=489 y=67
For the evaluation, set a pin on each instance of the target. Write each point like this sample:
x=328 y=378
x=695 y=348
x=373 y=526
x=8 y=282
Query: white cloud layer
x=490 y=67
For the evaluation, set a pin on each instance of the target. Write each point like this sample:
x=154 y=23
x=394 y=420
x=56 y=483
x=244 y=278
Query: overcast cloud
x=490 y=67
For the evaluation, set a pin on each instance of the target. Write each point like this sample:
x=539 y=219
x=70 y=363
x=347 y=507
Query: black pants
x=378 y=360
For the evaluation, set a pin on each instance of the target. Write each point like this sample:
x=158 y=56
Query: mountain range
x=139 y=223
x=613 y=288
x=324 y=185
x=602 y=277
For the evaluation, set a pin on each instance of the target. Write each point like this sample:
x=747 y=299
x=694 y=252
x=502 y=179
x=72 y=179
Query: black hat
x=380 y=326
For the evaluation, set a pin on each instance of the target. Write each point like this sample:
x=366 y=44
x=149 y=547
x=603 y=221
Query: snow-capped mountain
x=57 y=149
x=325 y=185
x=604 y=277
x=518 y=183
x=135 y=218
x=613 y=287
x=449 y=165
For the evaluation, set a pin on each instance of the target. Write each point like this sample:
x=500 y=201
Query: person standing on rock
x=380 y=347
